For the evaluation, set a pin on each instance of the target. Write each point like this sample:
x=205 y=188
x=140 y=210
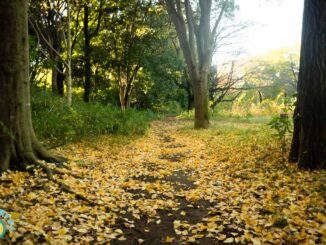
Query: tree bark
x=312 y=88
x=295 y=144
x=125 y=86
x=87 y=55
x=197 y=43
x=18 y=142
x=54 y=58
x=69 y=79
x=201 y=103
x=60 y=78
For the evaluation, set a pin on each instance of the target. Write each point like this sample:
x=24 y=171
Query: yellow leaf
x=31 y=196
x=321 y=218
x=269 y=236
x=140 y=241
x=256 y=241
x=258 y=229
x=229 y=240
x=247 y=236
x=14 y=215
x=191 y=239
x=122 y=238
x=221 y=237
x=62 y=231
x=169 y=239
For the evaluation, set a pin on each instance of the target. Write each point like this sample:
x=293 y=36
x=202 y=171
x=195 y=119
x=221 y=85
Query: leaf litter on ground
x=226 y=185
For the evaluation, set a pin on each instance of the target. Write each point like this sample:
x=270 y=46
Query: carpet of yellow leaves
x=229 y=184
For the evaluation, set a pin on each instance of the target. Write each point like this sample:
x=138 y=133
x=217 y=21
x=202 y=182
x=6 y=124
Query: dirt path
x=172 y=186
x=174 y=155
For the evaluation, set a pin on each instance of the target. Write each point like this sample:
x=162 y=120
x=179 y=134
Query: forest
x=142 y=122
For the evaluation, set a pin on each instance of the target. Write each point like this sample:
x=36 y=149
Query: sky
x=275 y=24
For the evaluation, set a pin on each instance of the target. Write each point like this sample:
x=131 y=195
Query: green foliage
x=276 y=72
x=53 y=120
x=282 y=123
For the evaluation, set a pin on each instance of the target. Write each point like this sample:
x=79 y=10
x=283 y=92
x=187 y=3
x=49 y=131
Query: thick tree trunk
x=201 y=103
x=87 y=56
x=312 y=87
x=18 y=142
x=196 y=41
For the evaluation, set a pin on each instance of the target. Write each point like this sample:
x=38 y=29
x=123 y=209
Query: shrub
x=54 y=120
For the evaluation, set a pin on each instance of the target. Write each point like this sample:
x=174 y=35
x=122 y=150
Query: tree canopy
x=99 y=102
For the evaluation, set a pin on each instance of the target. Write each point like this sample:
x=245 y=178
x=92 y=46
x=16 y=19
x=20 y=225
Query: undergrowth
x=53 y=120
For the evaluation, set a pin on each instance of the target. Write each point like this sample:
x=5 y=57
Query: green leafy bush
x=53 y=120
x=282 y=123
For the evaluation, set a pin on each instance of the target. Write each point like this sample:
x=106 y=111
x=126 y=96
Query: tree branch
x=37 y=30
x=219 y=18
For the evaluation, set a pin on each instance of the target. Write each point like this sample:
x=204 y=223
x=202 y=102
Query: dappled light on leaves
x=229 y=184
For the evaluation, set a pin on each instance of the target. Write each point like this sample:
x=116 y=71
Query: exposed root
x=60 y=164
x=43 y=154
x=55 y=146
x=46 y=169
x=66 y=188
x=59 y=172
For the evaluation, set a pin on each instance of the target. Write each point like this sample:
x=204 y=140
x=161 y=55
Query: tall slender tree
x=309 y=137
x=197 y=40
x=19 y=145
x=88 y=36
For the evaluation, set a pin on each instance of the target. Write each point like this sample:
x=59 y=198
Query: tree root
x=66 y=188
x=59 y=172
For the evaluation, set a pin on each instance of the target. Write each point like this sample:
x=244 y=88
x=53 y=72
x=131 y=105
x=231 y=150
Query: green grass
x=216 y=116
x=235 y=130
x=53 y=120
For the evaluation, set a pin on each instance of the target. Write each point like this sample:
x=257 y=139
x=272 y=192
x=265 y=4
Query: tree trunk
x=197 y=43
x=201 y=103
x=187 y=86
x=60 y=79
x=294 y=152
x=190 y=97
x=122 y=89
x=312 y=87
x=87 y=56
x=54 y=72
x=57 y=82
x=54 y=80
x=69 y=79
x=18 y=142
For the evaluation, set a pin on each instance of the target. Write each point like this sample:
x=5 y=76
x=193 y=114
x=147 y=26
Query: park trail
x=171 y=161
x=174 y=185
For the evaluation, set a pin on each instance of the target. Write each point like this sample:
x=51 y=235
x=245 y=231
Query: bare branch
x=219 y=18
x=191 y=24
x=38 y=34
